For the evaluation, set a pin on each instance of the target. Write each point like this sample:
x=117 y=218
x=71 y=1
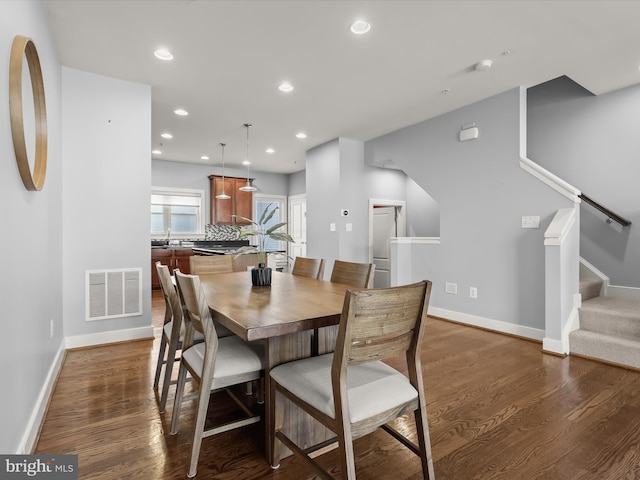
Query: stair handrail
x=550 y=179
x=611 y=216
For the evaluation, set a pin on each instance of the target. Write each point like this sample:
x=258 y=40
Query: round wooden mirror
x=22 y=48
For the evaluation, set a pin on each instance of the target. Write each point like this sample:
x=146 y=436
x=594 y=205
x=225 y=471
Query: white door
x=384 y=227
x=297 y=227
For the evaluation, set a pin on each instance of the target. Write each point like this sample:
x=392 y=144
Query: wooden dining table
x=295 y=317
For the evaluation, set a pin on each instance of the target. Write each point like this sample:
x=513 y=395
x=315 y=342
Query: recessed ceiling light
x=301 y=135
x=246 y=162
x=166 y=135
x=163 y=54
x=270 y=150
x=285 y=87
x=181 y=112
x=156 y=152
x=204 y=157
x=360 y=27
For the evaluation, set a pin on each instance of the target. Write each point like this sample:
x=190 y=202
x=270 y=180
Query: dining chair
x=242 y=262
x=172 y=334
x=203 y=264
x=351 y=391
x=308 y=267
x=208 y=264
x=215 y=364
x=357 y=274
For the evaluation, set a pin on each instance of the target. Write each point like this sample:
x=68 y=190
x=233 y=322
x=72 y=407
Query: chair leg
x=168 y=371
x=347 y=457
x=204 y=394
x=276 y=420
x=424 y=442
x=261 y=390
x=163 y=346
x=177 y=402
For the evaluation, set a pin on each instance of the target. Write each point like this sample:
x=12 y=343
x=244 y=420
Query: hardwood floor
x=498 y=409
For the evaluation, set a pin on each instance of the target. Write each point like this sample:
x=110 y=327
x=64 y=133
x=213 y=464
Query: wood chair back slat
x=170 y=295
x=308 y=267
x=205 y=264
x=242 y=262
x=359 y=275
x=380 y=323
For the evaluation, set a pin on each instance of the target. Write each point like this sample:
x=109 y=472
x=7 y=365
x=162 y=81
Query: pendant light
x=223 y=195
x=248 y=187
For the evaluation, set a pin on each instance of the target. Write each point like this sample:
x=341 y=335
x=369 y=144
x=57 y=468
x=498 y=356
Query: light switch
x=349 y=227
x=332 y=227
x=530 y=222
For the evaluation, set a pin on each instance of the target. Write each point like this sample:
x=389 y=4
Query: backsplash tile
x=221 y=232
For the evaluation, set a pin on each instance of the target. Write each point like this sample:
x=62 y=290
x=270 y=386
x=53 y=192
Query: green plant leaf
x=245 y=250
x=275 y=227
x=264 y=218
x=282 y=236
x=245 y=219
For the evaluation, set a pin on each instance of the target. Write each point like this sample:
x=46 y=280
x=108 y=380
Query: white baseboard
x=489 y=324
x=28 y=441
x=555 y=346
x=102 y=338
x=629 y=293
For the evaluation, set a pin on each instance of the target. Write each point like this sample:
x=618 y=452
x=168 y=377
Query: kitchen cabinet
x=174 y=258
x=239 y=203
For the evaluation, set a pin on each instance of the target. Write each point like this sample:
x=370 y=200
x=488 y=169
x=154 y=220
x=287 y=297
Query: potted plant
x=261 y=276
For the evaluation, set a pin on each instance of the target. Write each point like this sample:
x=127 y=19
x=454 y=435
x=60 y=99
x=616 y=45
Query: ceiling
x=230 y=57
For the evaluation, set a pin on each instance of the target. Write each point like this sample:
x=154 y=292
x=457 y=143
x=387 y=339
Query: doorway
x=297 y=227
x=386 y=220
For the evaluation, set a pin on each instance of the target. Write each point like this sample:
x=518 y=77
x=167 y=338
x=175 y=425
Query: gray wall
x=297 y=183
x=337 y=177
x=594 y=144
x=106 y=129
x=30 y=239
x=423 y=212
x=482 y=193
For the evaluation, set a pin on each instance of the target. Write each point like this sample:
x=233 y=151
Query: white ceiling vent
x=113 y=293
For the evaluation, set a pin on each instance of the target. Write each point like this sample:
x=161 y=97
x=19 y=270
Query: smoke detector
x=483 y=65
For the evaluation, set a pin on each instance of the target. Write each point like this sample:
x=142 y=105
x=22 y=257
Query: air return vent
x=113 y=293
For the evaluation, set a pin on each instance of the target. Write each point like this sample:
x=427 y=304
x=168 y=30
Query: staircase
x=609 y=327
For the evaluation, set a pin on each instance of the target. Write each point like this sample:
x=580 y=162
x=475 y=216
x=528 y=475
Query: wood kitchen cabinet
x=240 y=203
x=172 y=258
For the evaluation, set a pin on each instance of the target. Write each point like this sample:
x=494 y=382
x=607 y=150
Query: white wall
x=107 y=178
x=31 y=245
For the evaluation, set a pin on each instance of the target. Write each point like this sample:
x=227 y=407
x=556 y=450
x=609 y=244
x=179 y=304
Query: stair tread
x=590 y=287
x=618 y=350
x=615 y=306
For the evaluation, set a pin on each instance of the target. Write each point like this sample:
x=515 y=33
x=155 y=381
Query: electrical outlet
x=349 y=227
x=451 y=288
x=473 y=292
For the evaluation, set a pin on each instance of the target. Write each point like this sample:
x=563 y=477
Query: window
x=261 y=202
x=178 y=209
